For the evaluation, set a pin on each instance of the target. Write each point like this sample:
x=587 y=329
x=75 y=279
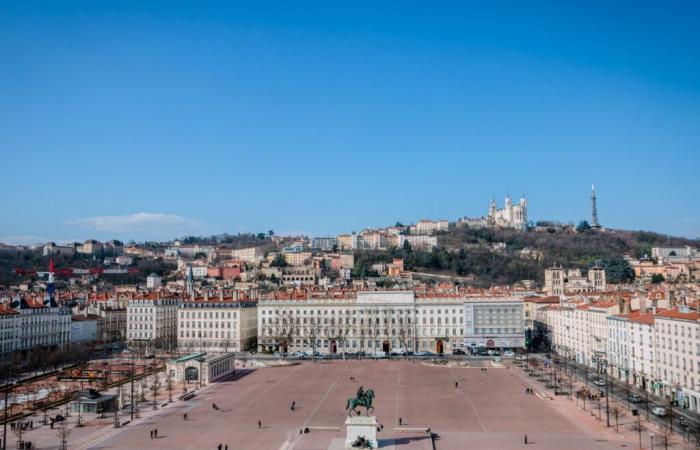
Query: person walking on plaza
x=151 y=434
x=294 y=403
x=400 y=421
x=456 y=384
x=155 y=433
x=259 y=424
x=219 y=447
x=184 y=416
x=526 y=439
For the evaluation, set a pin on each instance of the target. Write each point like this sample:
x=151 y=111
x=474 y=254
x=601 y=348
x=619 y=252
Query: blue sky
x=150 y=120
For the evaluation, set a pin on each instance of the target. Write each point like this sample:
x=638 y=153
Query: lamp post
x=4 y=426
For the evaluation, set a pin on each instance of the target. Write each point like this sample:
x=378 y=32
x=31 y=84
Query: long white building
x=384 y=321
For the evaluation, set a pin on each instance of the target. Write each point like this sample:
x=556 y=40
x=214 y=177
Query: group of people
x=154 y=433
x=29 y=425
x=529 y=391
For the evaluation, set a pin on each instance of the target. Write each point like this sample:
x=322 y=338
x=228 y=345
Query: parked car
x=458 y=351
x=380 y=354
x=509 y=353
x=635 y=398
x=599 y=382
x=658 y=411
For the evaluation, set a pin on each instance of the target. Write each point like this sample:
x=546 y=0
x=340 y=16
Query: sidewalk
x=589 y=421
x=95 y=429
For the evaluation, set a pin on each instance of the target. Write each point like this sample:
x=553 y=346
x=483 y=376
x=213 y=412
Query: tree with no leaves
x=63 y=433
x=639 y=427
x=617 y=411
x=155 y=389
x=169 y=388
x=19 y=430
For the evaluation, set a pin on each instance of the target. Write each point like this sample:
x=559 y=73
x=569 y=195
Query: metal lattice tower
x=594 y=209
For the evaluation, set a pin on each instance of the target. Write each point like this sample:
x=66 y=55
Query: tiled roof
x=676 y=314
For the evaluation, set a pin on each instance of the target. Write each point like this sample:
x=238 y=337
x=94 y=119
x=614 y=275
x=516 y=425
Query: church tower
x=509 y=209
x=594 y=209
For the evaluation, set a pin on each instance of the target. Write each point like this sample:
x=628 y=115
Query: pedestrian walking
x=219 y=447
x=294 y=403
x=259 y=424
x=526 y=439
x=155 y=433
x=226 y=447
x=400 y=421
x=184 y=416
x=151 y=434
x=456 y=384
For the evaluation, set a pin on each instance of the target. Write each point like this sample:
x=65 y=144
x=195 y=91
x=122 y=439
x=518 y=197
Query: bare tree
x=340 y=327
x=664 y=437
x=19 y=431
x=639 y=427
x=63 y=433
x=617 y=412
x=404 y=332
x=169 y=387
x=155 y=389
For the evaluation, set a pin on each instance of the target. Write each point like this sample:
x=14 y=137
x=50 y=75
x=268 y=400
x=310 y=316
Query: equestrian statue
x=363 y=398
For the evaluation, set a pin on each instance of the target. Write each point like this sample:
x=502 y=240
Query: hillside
x=479 y=253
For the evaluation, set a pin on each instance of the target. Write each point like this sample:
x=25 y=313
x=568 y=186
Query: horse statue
x=363 y=398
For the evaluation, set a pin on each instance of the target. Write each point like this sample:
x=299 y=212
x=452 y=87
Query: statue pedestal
x=361 y=426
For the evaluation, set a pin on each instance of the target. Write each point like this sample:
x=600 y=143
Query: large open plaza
x=465 y=407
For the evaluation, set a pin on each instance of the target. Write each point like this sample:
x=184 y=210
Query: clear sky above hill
x=151 y=120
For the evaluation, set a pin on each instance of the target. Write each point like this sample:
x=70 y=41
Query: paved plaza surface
x=488 y=410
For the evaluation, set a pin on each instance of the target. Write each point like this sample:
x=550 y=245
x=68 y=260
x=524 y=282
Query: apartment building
x=42 y=324
x=152 y=318
x=418 y=241
x=227 y=323
x=429 y=227
x=297 y=259
x=677 y=339
x=251 y=254
x=9 y=323
x=494 y=323
x=657 y=350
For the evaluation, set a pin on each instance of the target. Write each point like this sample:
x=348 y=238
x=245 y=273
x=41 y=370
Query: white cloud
x=140 y=224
